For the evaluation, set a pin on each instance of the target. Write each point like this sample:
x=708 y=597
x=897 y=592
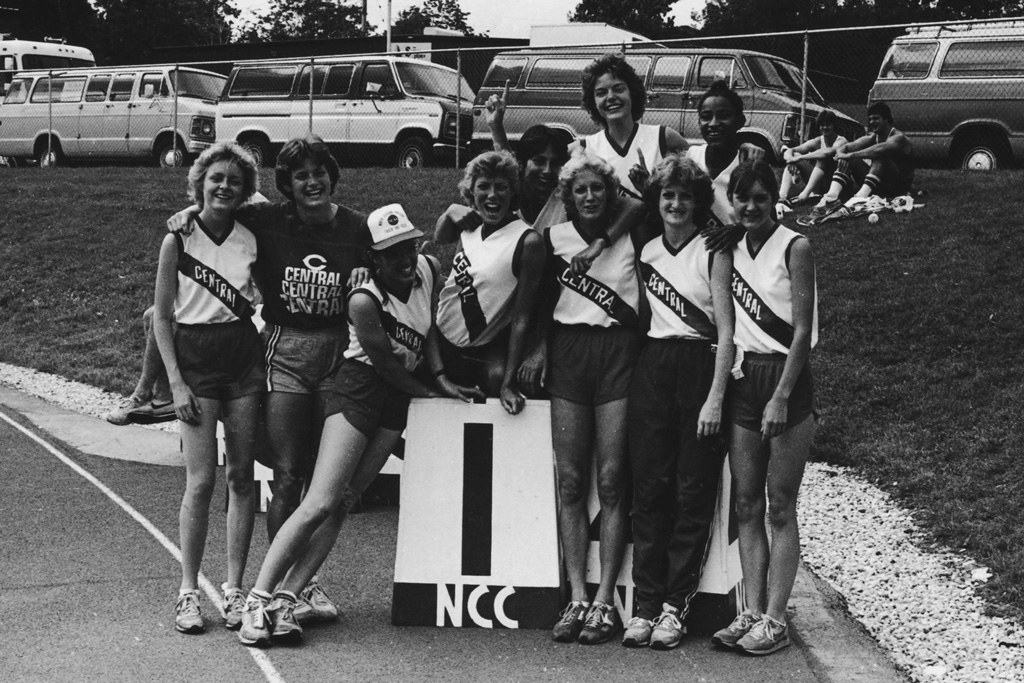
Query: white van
x=110 y=113
x=957 y=91
x=368 y=109
x=24 y=55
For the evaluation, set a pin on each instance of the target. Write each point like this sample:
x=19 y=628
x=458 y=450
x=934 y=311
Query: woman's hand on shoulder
x=182 y=222
x=358 y=277
x=750 y=152
x=722 y=238
x=456 y=219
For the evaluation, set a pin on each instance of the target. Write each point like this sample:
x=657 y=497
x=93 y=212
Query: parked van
x=545 y=88
x=23 y=55
x=957 y=92
x=381 y=109
x=110 y=113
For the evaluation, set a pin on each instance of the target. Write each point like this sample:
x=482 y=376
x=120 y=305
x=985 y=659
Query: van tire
x=412 y=152
x=169 y=156
x=55 y=156
x=259 y=149
x=981 y=152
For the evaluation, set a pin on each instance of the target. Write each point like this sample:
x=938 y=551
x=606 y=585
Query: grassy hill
x=919 y=370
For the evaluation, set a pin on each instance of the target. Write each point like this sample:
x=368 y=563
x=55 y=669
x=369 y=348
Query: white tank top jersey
x=677 y=283
x=649 y=139
x=405 y=322
x=608 y=294
x=214 y=276
x=721 y=207
x=477 y=300
x=762 y=295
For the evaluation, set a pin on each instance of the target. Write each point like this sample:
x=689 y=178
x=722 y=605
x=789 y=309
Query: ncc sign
x=477 y=530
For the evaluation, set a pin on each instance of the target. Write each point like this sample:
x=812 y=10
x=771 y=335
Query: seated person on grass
x=879 y=163
x=812 y=162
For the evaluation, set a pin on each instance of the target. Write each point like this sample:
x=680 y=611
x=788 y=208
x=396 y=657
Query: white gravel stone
x=917 y=601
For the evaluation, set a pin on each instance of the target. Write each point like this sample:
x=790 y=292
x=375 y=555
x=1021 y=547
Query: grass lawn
x=919 y=369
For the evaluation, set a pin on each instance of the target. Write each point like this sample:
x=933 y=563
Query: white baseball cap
x=389 y=225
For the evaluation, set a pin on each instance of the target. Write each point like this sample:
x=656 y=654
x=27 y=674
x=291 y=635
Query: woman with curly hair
x=214 y=364
x=675 y=403
x=485 y=306
x=592 y=348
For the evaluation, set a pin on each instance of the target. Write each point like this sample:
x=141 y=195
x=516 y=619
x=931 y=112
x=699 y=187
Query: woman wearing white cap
x=391 y=323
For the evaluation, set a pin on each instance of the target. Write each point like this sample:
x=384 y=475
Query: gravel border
x=919 y=603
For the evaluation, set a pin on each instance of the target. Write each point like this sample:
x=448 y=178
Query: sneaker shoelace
x=234 y=601
x=763 y=629
x=188 y=605
x=258 y=610
x=670 y=619
x=571 y=612
x=597 y=616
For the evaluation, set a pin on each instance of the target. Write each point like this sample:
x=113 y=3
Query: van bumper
x=196 y=146
x=444 y=152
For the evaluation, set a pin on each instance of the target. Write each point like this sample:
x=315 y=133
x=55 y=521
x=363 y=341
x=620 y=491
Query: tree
x=74 y=21
x=305 y=19
x=130 y=29
x=649 y=18
x=439 y=13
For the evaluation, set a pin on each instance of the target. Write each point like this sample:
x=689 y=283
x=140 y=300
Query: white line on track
x=259 y=656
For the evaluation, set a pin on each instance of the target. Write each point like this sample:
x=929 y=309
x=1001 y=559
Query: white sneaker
x=314 y=605
x=668 y=630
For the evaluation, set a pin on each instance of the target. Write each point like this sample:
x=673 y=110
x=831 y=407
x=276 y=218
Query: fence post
x=174 y=137
x=458 y=110
x=49 y=116
x=803 y=87
x=312 y=69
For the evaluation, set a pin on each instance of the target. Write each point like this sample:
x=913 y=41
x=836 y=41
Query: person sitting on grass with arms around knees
x=391 y=322
x=152 y=401
x=878 y=163
x=485 y=309
x=676 y=443
x=591 y=350
x=215 y=367
x=771 y=405
x=812 y=162
x=309 y=260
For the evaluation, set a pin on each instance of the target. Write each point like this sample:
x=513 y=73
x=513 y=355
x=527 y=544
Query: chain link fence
x=955 y=89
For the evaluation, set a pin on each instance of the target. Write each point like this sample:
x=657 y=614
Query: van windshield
x=425 y=79
x=203 y=86
x=778 y=75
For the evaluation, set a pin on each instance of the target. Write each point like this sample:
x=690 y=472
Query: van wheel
x=51 y=158
x=982 y=152
x=8 y=162
x=413 y=152
x=259 y=150
x=169 y=156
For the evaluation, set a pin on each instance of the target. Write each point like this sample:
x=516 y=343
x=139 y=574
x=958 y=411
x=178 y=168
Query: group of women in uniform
x=657 y=351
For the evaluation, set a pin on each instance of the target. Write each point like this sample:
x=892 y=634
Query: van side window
x=121 y=89
x=911 y=60
x=268 y=81
x=318 y=81
x=505 y=70
x=556 y=73
x=59 y=89
x=18 y=92
x=339 y=80
x=97 y=90
x=670 y=73
x=983 y=60
x=153 y=85
x=379 y=81
x=720 y=69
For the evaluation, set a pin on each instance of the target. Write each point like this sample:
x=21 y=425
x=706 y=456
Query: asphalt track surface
x=90 y=577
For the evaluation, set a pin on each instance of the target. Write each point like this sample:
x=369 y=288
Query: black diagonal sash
x=401 y=333
x=215 y=284
x=758 y=311
x=688 y=312
x=472 y=313
x=600 y=294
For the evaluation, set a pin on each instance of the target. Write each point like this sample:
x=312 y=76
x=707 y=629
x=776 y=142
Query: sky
x=500 y=19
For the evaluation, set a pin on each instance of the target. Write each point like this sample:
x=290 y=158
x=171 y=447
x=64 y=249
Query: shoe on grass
x=766 y=636
x=120 y=415
x=152 y=413
x=668 y=630
x=255 y=628
x=600 y=625
x=569 y=626
x=638 y=632
x=730 y=635
x=285 y=626
x=187 y=617
x=314 y=605
x=234 y=605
